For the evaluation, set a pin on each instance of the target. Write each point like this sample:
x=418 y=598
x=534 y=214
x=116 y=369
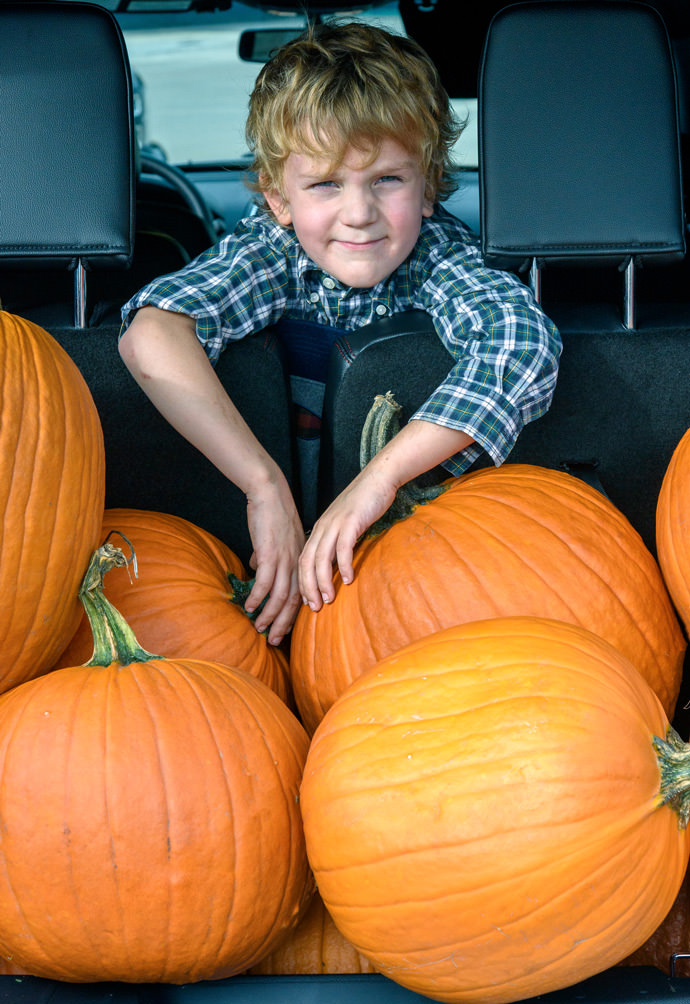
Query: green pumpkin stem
x=673 y=756
x=381 y=425
x=113 y=638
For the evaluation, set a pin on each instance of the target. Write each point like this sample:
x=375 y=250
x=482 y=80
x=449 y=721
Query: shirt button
x=329 y=283
x=381 y=309
x=313 y=297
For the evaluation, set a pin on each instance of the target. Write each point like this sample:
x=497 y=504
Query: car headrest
x=579 y=149
x=67 y=150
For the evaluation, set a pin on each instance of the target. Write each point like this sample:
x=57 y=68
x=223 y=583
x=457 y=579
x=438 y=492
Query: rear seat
x=620 y=405
x=69 y=211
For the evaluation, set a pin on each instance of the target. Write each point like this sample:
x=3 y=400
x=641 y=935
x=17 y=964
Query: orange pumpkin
x=8 y=968
x=151 y=826
x=182 y=603
x=315 y=947
x=672 y=522
x=52 y=490
x=671 y=938
x=514 y=540
x=490 y=815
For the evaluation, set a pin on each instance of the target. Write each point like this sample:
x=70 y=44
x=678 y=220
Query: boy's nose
x=358 y=207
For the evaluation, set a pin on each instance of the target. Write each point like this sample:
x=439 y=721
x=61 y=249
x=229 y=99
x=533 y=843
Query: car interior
x=580 y=188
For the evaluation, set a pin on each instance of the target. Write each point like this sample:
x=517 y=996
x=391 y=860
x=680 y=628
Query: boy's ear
x=279 y=206
x=427 y=208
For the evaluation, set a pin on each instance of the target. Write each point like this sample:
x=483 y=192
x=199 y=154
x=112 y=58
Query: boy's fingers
x=308 y=581
x=316 y=565
x=284 y=621
x=323 y=568
x=261 y=588
x=281 y=606
x=307 y=584
x=344 y=557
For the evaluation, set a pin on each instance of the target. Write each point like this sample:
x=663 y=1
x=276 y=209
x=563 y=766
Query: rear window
x=192 y=87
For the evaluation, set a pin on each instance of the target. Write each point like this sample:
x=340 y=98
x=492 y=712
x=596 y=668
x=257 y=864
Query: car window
x=192 y=87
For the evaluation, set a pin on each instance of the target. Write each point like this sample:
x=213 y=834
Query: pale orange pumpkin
x=673 y=528
x=668 y=947
x=151 y=825
x=8 y=968
x=513 y=540
x=315 y=947
x=183 y=602
x=497 y=810
x=52 y=490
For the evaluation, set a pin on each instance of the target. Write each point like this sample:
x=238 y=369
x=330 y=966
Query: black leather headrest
x=579 y=148
x=67 y=137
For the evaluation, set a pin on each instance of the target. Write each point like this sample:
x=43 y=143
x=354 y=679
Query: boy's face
x=359 y=221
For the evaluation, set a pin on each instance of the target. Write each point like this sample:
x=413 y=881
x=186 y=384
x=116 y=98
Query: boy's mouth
x=361 y=245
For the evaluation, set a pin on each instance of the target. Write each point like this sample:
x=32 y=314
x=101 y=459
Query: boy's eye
x=323 y=184
x=390 y=177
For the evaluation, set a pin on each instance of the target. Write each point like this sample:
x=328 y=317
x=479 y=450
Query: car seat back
x=150 y=466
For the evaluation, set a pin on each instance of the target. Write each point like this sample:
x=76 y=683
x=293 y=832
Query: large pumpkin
x=673 y=528
x=314 y=947
x=150 y=821
x=182 y=602
x=514 y=540
x=668 y=947
x=52 y=489
x=494 y=811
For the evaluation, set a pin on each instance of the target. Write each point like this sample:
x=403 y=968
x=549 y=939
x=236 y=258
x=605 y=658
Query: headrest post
x=79 y=295
x=535 y=280
x=629 y=318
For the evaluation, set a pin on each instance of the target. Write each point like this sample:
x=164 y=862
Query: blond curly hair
x=342 y=85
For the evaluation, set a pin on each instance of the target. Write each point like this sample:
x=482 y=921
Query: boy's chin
x=361 y=276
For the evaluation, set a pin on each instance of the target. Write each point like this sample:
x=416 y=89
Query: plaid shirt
x=505 y=349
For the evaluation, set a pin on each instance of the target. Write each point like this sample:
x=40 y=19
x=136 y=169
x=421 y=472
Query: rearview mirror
x=258 y=45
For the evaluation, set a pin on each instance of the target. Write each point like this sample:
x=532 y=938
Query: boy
x=351 y=132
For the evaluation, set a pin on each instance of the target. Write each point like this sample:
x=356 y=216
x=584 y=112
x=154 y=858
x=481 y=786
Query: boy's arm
x=163 y=354
x=418 y=447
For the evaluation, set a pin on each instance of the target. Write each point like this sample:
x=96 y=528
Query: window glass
x=192 y=87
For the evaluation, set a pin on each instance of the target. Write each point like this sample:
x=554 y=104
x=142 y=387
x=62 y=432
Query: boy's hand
x=278 y=538
x=418 y=447
x=336 y=532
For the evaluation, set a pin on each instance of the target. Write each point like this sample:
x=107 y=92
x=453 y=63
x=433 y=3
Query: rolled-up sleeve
x=237 y=287
x=506 y=353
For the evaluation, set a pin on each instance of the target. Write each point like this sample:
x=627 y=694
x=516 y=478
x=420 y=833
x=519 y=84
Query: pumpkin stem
x=674 y=765
x=381 y=425
x=113 y=638
x=239 y=591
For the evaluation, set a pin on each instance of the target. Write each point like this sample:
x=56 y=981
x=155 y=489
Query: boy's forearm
x=418 y=447
x=162 y=353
